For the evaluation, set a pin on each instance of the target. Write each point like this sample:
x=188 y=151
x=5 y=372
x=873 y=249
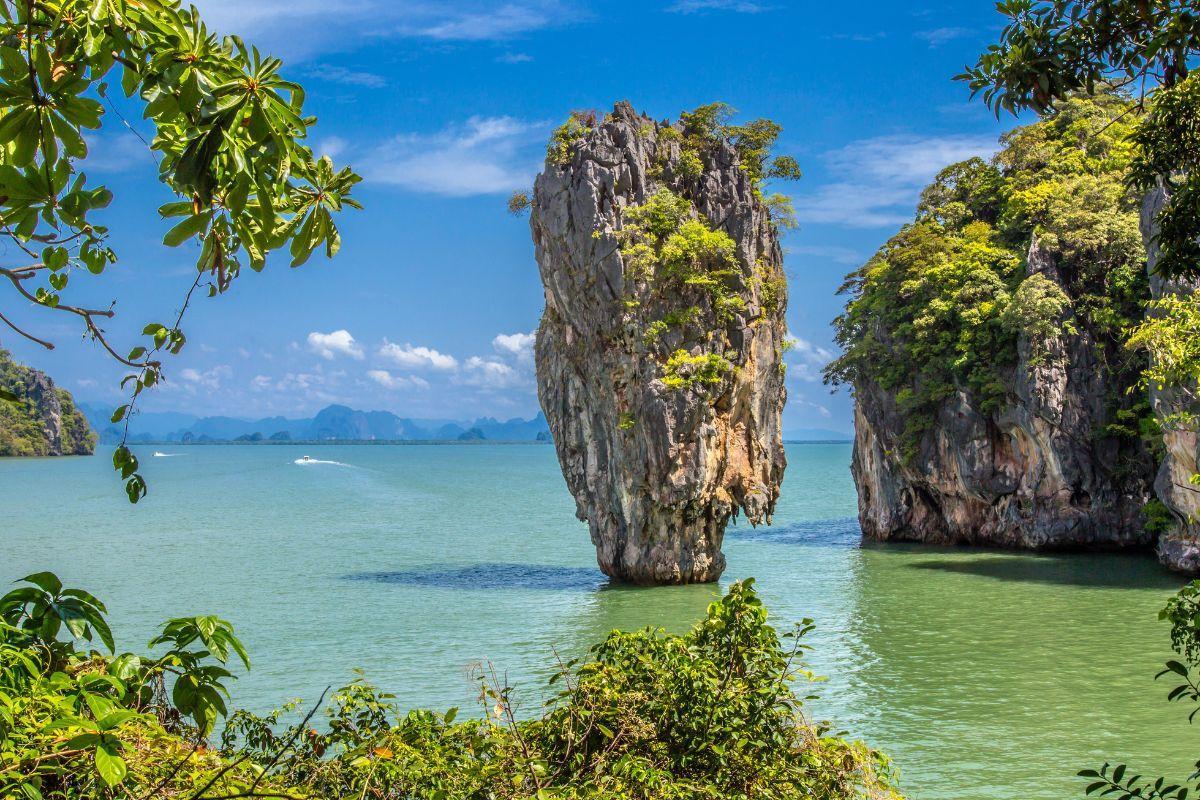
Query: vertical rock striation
x=659 y=352
x=1178 y=548
x=1040 y=473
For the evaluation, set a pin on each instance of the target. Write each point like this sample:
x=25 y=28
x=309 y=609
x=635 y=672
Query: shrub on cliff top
x=710 y=714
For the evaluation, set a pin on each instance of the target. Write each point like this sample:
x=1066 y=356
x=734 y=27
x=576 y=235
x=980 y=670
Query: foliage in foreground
x=1118 y=782
x=710 y=714
x=229 y=142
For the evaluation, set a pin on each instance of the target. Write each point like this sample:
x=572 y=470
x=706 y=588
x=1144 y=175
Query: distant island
x=335 y=423
x=339 y=423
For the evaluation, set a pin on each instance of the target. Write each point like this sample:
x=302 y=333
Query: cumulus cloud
x=417 y=357
x=485 y=155
x=331 y=345
x=491 y=373
x=519 y=345
x=204 y=379
x=806 y=360
x=887 y=175
x=389 y=381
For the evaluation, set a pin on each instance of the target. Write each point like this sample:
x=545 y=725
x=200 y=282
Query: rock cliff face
x=1037 y=474
x=659 y=352
x=985 y=347
x=44 y=421
x=1179 y=548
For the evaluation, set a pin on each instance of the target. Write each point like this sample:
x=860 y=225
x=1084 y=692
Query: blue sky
x=445 y=107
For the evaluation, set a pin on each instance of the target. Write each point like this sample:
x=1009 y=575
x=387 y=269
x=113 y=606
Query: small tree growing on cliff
x=229 y=143
x=1052 y=49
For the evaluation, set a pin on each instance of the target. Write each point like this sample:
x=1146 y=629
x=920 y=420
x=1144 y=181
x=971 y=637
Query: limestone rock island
x=659 y=355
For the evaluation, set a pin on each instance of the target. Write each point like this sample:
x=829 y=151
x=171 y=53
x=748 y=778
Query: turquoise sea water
x=984 y=674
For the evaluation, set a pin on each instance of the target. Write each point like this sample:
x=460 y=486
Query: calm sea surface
x=984 y=674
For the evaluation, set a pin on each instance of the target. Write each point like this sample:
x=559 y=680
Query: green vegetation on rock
x=672 y=252
x=710 y=715
x=30 y=422
x=943 y=306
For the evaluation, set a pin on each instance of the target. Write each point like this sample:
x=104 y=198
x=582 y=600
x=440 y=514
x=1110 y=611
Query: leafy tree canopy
x=1053 y=48
x=229 y=140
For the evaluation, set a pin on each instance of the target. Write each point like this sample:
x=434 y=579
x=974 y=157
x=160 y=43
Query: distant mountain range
x=333 y=423
x=816 y=435
x=341 y=423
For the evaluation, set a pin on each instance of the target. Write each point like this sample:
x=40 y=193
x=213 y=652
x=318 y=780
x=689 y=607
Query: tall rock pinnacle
x=659 y=355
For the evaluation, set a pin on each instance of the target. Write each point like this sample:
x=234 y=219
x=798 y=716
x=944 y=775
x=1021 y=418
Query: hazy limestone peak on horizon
x=334 y=422
x=339 y=422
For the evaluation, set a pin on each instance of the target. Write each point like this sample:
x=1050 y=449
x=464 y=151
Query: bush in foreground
x=710 y=714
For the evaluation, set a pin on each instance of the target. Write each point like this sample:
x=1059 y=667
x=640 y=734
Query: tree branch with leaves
x=229 y=141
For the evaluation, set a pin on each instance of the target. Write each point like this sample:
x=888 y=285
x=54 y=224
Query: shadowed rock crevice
x=659 y=352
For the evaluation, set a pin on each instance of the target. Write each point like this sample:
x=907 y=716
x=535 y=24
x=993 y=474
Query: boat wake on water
x=167 y=455
x=306 y=460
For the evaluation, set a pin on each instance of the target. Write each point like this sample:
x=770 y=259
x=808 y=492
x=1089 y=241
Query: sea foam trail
x=306 y=462
x=167 y=455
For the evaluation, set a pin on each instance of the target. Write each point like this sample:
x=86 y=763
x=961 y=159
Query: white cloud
x=307 y=27
x=514 y=58
x=119 y=153
x=694 y=6
x=519 y=345
x=490 y=373
x=486 y=155
x=330 y=345
x=389 y=381
x=417 y=357
x=332 y=146
x=841 y=255
x=886 y=175
x=500 y=23
x=806 y=360
x=207 y=379
x=336 y=73
x=939 y=36
x=260 y=382
x=820 y=409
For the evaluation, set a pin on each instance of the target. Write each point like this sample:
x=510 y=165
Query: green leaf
x=111 y=766
x=47 y=581
x=187 y=229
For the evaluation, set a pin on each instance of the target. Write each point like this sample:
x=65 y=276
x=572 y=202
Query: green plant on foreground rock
x=1117 y=782
x=709 y=714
